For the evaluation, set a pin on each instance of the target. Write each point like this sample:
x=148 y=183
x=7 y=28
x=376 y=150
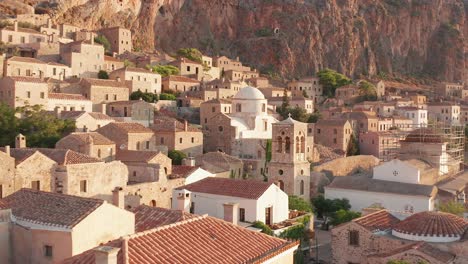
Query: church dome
x=431 y=227
x=249 y=93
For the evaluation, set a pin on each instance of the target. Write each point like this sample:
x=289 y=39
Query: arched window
x=302 y=144
x=263 y=107
x=298 y=145
x=138 y=146
x=280 y=144
x=287 y=146
x=238 y=108
x=301 y=188
x=99 y=153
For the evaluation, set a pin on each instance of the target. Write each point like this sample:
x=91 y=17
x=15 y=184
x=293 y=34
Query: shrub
x=103 y=74
x=191 y=54
x=164 y=70
x=176 y=156
x=147 y=97
x=166 y=96
x=297 y=203
x=265 y=229
x=101 y=39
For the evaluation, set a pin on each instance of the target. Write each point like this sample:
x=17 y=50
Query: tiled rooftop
x=217 y=161
x=250 y=189
x=61 y=156
x=49 y=208
x=177 y=78
x=98 y=139
x=128 y=127
x=378 y=221
x=64 y=96
x=147 y=217
x=181 y=171
x=135 y=155
x=433 y=224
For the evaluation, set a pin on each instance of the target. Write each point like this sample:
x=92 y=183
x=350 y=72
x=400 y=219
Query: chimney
x=49 y=23
x=118 y=197
x=106 y=255
x=185 y=125
x=15 y=25
x=117 y=79
x=20 y=141
x=89 y=146
x=7 y=150
x=189 y=161
x=231 y=213
x=183 y=202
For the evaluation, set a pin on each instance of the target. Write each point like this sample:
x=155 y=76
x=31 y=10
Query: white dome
x=249 y=93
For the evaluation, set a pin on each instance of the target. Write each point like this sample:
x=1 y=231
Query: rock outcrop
x=296 y=37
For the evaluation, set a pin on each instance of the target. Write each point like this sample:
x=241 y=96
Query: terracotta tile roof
x=25 y=59
x=363 y=183
x=332 y=122
x=423 y=247
x=110 y=58
x=64 y=96
x=433 y=224
x=426 y=135
x=128 y=102
x=171 y=125
x=61 y=156
x=98 y=139
x=26 y=79
x=71 y=114
x=108 y=83
x=181 y=171
x=147 y=217
x=133 y=69
x=250 y=189
x=200 y=239
x=128 y=127
x=378 y=221
x=135 y=155
x=177 y=78
x=218 y=101
x=216 y=162
x=99 y=116
x=49 y=208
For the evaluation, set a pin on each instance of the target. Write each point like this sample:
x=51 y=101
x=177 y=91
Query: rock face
x=296 y=37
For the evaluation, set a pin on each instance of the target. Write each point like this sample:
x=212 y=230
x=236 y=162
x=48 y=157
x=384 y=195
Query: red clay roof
x=110 y=58
x=201 y=239
x=61 y=156
x=135 y=155
x=25 y=59
x=128 y=127
x=171 y=125
x=249 y=189
x=181 y=171
x=100 y=116
x=147 y=217
x=177 y=78
x=49 y=208
x=64 y=96
x=378 y=221
x=108 y=83
x=423 y=247
x=433 y=224
x=98 y=139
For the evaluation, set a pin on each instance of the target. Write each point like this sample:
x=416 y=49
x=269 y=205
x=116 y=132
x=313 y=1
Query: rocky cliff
x=297 y=37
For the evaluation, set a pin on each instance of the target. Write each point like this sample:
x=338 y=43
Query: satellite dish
x=123 y=146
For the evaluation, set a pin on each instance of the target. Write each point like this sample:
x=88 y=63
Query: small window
x=220 y=129
x=83 y=186
x=280 y=172
x=134 y=173
x=1 y=191
x=28 y=94
x=36 y=185
x=99 y=153
x=192 y=208
x=242 y=214
x=147 y=144
x=48 y=252
x=354 y=238
x=42 y=95
x=180 y=140
x=193 y=140
x=318 y=130
x=161 y=140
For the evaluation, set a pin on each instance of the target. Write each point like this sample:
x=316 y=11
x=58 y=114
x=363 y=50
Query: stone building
x=274 y=92
x=189 y=68
x=7 y=172
x=418 y=116
x=444 y=112
x=178 y=136
x=361 y=121
x=225 y=64
x=244 y=132
x=141 y=79
x=137 y=111
x=92 y=144
x=111 y=64
x=86 y=121
x=260 y=82
x=333 y=133
x=347 y=94
x=145 y=166
x=450 y=90
x=68 y=102
x=379 y=237
x=129 y=136
x=179 y=84
x=299 y=101
x=16 y=35
x=292 y=148
x=221 y=164
x=119 y=38
x=85 y=58
x=31 y=67
x=21 y=91
x=44 y=227
x=382 y=144
x=210 y=108
x=99 y=91
x=309 y=86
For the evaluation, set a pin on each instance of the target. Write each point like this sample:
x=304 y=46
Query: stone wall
x=348 y=165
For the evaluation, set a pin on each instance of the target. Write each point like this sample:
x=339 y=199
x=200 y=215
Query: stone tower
x=291 y=149
x=20 y=141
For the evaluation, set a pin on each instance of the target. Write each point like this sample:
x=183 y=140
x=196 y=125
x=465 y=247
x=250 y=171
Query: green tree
x=128 y=63
x=330 y=80
x=368 y=91
x=452 y=207
x=41 y=128
x=8 y=125
x=167 y=96
x=353 y=146
x=101 y=39
x=191 y=54
x=343 y=216
x=103 y=75
x=164 y=70
x=313 y=118
x=325 y=207
x=147 y=97
x=176 y=156
x=297 y=203
x=398 y=262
